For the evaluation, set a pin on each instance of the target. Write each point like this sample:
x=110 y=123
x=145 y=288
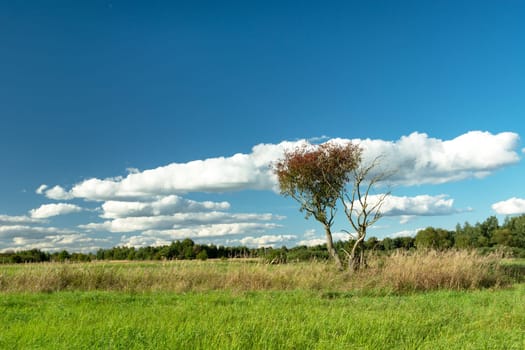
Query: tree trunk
x=331 y=250
x=357 y=258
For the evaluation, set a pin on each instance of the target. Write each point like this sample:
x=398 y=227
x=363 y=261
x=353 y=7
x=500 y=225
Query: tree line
x=486 y=236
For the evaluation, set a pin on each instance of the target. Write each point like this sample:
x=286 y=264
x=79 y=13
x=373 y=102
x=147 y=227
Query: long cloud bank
x=414 y=160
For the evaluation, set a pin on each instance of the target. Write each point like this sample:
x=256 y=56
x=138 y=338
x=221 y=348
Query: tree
x=315 y=177
x=362 y=208
x=434 y=238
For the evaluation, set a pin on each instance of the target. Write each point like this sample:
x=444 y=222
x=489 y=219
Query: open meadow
x=450 y=300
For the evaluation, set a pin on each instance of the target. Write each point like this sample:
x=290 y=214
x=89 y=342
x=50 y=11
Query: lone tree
x=316 y=176
x=362 y=208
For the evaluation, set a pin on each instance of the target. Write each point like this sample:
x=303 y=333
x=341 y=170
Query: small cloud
x=266 y=240
x=405 y=233
x=17 y=220
x=309 y=233
x=406 y=219
x=132 y=170
x=422 y=205
x=318 y=139
x=55 y=209
x=162 y=206
x=57 y=192
x=510 y=206
x=41 y=189
x=312 y=242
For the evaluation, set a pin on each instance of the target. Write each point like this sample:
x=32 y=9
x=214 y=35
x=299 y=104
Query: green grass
x=488 y=319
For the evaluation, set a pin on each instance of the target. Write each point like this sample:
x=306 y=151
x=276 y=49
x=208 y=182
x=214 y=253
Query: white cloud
x=178 y=221
x=41 y=189
x=54 y=209
x=409 y=207
x=56 y=192
x=9 y=220
x=264 y=241
x=405 y=233
x=415 y=159
x=72 y=242
x=212 y=230
x=12 y=231
x=406 y=219
x=142 y=241
x=510 y=206
x=312 y=242
x=418 y=159
x=310 y=233
x=422 y=205
x=162 y=206
x=238 y=172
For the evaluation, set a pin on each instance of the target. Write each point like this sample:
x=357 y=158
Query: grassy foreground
x=263 y=320
x=436 y=300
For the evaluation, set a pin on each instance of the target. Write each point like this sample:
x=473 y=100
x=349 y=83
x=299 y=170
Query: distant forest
x=487 y=236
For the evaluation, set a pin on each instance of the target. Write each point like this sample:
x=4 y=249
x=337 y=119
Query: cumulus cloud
x=142 y=241
x=409 y=207
x=422 y=205
x=56 y=192
x=72 y=242
x=510 y=206
x=265 y=241
x=32 y=232
x=162 y=206
x=54 y=209
x=404 y=233
x=10 y=220
x=414 y=159
x=212 y=230
x=41 y=189
x=419 y=159
x=179 y=220
x=312 y=242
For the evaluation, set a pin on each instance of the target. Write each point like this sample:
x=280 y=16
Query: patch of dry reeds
x=177 y=276
x=400 y=272
x=433 y=270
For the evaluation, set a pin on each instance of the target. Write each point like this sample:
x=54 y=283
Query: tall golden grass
x=400 y=272
x=432 y=270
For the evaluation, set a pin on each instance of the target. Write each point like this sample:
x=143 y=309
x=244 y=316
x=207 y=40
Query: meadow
x=436 y=300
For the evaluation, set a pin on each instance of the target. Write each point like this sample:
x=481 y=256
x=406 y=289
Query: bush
x=203 y=255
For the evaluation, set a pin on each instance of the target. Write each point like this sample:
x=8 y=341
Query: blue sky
x=136 y=123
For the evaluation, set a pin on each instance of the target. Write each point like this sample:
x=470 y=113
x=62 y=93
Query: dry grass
x=401 y=272
x=176 y=276
x=432 y=270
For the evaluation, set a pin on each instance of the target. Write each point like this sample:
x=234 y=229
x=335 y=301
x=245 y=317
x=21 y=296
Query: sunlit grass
x=401 y=272
x=263 y=320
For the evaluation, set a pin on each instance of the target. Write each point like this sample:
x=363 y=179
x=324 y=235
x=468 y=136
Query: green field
x=294 y=314
x=263 y=320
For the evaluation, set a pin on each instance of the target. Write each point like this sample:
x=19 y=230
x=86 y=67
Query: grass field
x=256 y=306
x=263 y=320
